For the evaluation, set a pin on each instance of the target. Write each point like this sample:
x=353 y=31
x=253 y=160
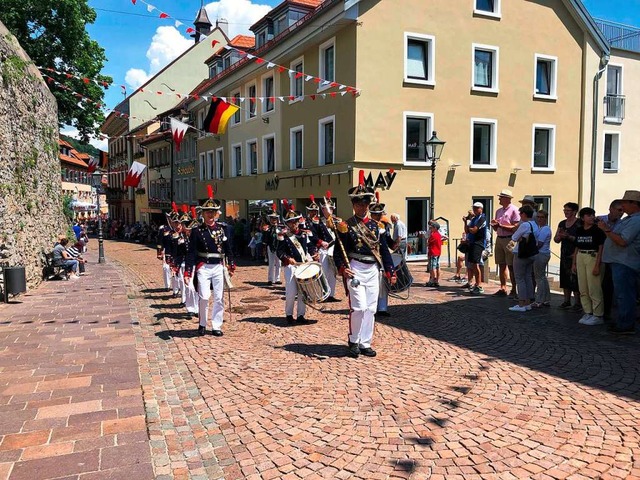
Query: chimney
x=223 y=24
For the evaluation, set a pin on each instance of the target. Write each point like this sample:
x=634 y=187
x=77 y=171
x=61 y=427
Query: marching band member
x=177 y=252
x=325 y=241
x=189 y=293
x=208 y=247
x=180 y=251
x=163 y=250
x=365 y=250
x=377 y=210
x=294 y=248
x=270 y=241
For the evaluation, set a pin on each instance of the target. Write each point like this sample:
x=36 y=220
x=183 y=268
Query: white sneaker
x=585 y=318
x=518 y=308
x=593 y=320
x=527 y=307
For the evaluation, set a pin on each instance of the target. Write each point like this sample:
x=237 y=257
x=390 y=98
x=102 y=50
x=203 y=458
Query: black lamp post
x=97 y=182
x=433 y=151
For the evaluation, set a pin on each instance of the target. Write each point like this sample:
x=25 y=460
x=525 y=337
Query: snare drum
x=312 y=284
x=403 y=276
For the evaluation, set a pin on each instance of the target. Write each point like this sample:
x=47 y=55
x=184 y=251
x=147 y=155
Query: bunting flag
x=219 y=114
x=134 y=175
x=178 y=130
x=93 y=164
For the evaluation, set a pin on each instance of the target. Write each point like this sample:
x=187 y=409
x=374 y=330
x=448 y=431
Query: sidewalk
x=461 y=387
x=70 y=397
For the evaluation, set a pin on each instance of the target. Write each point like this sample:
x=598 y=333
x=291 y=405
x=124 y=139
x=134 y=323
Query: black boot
x=354 y=350
x=216 y=333
x=202 y=330
x=367 y=351
x=290 y=319
x=301 y=319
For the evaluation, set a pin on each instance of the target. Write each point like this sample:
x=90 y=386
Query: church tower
x=202 y=23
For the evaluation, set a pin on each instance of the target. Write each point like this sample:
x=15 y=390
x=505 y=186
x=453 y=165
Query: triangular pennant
x=190 y=30
x=259 y=60
x=178 y=130
x=164 y=15
x=281 y=69
x=342 y=87
x=205 y=98
x=281 y=99
x=309 y=77
x=150 y=8
x=271 y=65
x=178 y=23
x=134 y=174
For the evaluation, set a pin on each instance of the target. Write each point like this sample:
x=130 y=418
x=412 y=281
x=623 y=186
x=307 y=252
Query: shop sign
x=272 y=183
x=383 y=181
x=187 y=169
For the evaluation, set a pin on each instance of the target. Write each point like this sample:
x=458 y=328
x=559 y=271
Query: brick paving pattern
x=461 y=388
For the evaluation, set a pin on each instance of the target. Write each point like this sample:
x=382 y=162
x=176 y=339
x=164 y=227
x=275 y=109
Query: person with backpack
x=524 y=251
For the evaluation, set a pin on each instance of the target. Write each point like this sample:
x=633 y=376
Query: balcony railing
x=614 y=108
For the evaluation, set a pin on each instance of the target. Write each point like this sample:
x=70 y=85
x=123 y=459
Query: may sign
x=383 y=181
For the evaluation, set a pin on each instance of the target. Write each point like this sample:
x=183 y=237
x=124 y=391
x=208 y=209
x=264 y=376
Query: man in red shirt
x=434 y=249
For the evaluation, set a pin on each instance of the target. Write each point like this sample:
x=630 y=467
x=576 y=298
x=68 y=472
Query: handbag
x=463 y=247
x=528 y=247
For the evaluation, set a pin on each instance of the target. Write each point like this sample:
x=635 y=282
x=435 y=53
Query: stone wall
x=31 y=215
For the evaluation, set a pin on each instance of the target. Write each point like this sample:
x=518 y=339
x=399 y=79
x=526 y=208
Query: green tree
x=53 y=33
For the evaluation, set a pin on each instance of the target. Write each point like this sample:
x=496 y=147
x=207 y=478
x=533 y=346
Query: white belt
x=210 y=255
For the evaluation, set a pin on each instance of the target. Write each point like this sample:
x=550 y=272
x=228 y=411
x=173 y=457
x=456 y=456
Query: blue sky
x=138 y=43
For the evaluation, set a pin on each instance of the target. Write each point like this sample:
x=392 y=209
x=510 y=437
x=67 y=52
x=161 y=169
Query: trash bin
x=15 y=281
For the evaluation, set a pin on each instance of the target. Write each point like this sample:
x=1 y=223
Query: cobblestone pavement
x=461 y=388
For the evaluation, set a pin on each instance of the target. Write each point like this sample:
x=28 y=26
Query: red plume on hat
x=285 y=202
x=273 y=206
x=377 y=197
x=174 y=207
x=210 y=191
x=361 y=178
x=185 y=209
x=292 y=207
x=312 y=198
x=328 y=195
x=194 y=214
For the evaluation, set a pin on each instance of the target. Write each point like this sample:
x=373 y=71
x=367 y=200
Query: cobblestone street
x=461 y=387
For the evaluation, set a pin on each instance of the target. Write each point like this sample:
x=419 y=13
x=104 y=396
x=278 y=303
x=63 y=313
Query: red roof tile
x=242 y=41
x=73 y=160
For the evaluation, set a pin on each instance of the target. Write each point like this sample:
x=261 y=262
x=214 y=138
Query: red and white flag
x=93 y=164
x=134 y=174
x=178 y=130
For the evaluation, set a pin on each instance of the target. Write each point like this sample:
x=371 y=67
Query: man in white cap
x=504 y=224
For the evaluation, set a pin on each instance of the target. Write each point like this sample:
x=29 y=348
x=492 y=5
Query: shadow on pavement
x=277 y=321
x=154 y=290
x=547 y=340
x=322 y=350
x=168 y=305
x=169 y=334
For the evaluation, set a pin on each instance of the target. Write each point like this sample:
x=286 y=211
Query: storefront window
x=417 y=217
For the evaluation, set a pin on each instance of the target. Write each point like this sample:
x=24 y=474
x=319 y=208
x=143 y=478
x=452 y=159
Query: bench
x=49 y=270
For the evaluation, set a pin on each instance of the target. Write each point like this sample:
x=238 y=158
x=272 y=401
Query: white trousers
x=189 y=294
x=274 y=266
x=175 y=283
x=328 y=269
x=383 y=296
x=363 y=300
x=208 y=276
x=291 y=290
x=166 y=274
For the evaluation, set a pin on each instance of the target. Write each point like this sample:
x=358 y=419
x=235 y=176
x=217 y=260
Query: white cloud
x=240 y=14
x=135 y=77
x=72 y=132
x=168 y=43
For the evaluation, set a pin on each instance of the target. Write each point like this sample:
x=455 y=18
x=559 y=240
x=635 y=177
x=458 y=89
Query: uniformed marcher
x=270 y=241
x=324 y=240
x=164 y=249
x=294 y=248
x=189 y=293
x=209 y=251
x=366 y=251
x=378 y=212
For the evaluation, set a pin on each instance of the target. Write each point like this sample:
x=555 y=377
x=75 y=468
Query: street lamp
x=97 y=182
x=433 y=151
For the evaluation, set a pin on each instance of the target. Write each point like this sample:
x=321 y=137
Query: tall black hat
x=210 y=203
x=313 y=206
x=360 y=191
x=377 y=207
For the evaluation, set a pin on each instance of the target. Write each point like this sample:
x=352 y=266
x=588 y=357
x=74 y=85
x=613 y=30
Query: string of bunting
x=152 y=8
x=100 y=83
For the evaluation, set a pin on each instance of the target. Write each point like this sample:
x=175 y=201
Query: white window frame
x=495 y=68
x=232 y=100
x=201 y=116
x=202 y=163
x=321 y=73
x=293 y=80
x=211 y=165
x=553 y=88
x=493 y=165
x=321 y=123
x=619 y=149
x=292 y=159
x=265 y=112
x=264 y=153
x=248 y=157
x=430 y=40
x=551 y=164
x=497 y=10
x=247 y=100
x=614 y=120
x=234 y=170
x=219 y=160
x=405 y=116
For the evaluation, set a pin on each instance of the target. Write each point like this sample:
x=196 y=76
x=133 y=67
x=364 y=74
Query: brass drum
x=312 y=284
x=404 y=278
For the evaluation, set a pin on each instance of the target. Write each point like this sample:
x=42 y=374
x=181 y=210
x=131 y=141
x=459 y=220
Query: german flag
x=219 y=114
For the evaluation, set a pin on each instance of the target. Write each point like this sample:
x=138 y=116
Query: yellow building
x=509 y=95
